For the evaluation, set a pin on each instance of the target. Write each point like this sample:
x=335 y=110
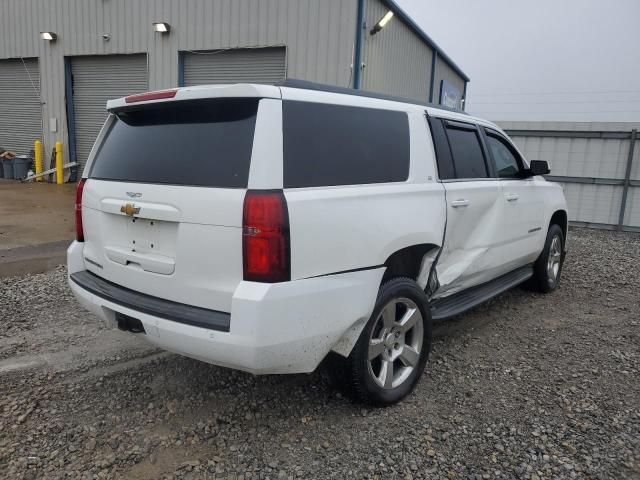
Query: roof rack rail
x=321 y=87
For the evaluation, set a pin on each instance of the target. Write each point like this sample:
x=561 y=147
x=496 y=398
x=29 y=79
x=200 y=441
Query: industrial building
x=61 y=60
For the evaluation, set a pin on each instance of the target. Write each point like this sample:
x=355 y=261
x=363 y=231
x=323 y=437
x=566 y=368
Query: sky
x=560 y=60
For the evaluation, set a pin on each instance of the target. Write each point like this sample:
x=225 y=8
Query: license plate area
x=152 y=236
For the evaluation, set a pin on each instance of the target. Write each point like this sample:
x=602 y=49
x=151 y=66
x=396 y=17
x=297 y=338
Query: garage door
x=20 y=112
x=95 y=80
x=242 y=65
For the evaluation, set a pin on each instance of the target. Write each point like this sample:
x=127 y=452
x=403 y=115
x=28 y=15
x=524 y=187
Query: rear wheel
x=389 y=357
x=548 y=267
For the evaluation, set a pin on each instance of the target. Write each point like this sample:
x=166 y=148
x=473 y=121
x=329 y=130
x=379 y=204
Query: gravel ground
x=527 y=386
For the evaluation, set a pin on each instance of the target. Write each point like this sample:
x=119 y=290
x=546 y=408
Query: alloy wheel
x=395 y=344
x=554 y=259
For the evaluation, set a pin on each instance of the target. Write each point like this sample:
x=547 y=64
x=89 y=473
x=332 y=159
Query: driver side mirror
x=538 y=167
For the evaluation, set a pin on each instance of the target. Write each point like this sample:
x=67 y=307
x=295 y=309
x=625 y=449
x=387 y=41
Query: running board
x=447 y=307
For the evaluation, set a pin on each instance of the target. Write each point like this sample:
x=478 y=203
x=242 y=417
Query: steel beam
x=627 y=178
x=569 y=134
x=587 y=180
x=357 y=54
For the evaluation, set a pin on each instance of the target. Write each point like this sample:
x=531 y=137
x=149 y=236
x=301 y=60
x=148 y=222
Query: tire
x=548 y=266
x=401 y=352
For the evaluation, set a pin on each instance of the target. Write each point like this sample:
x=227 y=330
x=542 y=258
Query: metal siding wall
x=397 y=61
x=604 y=158
x=444 y=72
x=578 y=157
x=635 y=166
x=319 y=36
x=632 y=213
x=593 y=203
x=96 y=79
x=20 y=108
x=245 y=65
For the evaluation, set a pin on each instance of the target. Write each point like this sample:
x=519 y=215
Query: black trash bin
x=7 y=167
x=21 y=166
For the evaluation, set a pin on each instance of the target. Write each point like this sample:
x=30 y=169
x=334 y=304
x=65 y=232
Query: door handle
x=460 y=203
x=512 y=197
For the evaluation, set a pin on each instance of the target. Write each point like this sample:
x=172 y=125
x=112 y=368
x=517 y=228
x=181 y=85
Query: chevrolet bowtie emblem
x=130 y=209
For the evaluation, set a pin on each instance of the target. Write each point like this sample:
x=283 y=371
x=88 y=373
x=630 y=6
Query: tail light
x=79 y=230
x=265 y=237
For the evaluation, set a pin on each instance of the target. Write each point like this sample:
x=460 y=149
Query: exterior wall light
x=49 y=36
x=161 y=27
x=381 y=23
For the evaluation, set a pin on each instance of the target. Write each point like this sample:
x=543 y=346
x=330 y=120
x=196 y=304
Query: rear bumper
x=284 y=327
x=154 y=306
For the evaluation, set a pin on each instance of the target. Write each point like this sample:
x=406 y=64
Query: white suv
x=266 y=228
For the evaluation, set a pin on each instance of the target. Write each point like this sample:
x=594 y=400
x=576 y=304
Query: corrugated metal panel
x=445 y=72
x=20 y=109
x=578 y=157
x=97 y=79
x=566 y=146
x=319 y=36
x=632 y=213
x=571 y=126
x=397 y=62
x=612 y=153
x=635 y=166
x=245 y=65
x=593 y=203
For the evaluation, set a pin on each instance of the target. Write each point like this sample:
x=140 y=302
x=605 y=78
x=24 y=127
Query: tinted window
x=503 y=157
x=468 y=158
x=203 y=143
x=339 y=145
x=443 y=153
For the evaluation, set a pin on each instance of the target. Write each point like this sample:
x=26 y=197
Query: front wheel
x=389 y=357
x=548 y=267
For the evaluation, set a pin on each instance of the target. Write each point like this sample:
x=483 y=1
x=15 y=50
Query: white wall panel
x=632 y=213
x=600 y=158
x=578 y=157
x=593 y=203
x=635 y=166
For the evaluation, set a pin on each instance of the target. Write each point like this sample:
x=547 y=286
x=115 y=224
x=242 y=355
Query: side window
x=505 y=159
x=466 y=150
x=443 y=153
x=326 y=145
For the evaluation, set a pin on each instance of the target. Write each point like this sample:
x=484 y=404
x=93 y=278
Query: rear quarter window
x=328 y=145
x=199 y=143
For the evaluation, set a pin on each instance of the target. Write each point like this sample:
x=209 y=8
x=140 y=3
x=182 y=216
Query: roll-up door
x=95 y=80
x=20 y=109
x=243 y=65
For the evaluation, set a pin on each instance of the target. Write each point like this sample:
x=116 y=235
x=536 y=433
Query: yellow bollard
x=38 y=150
x=59 y=172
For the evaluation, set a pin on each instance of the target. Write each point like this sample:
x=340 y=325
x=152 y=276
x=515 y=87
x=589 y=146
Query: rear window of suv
x=327 y=145
x=198 y=143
